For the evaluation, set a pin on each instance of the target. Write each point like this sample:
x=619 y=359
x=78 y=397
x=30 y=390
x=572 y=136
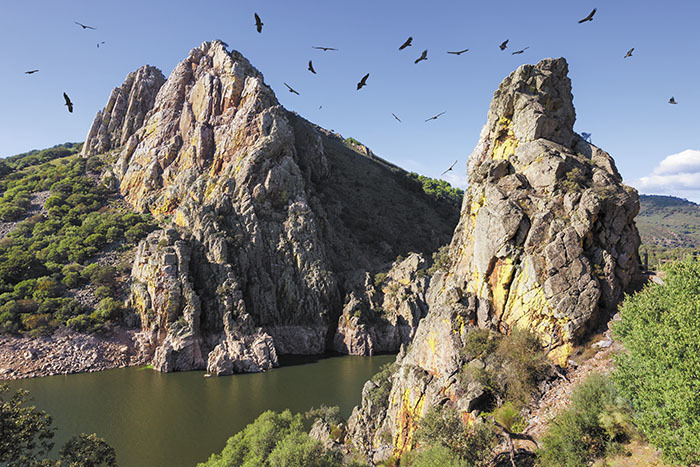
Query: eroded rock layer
x=546 y=242
x=275 y=226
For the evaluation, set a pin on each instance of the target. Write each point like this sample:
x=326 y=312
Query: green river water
x=179 y=419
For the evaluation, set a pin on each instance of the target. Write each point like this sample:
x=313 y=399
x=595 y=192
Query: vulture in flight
x=423 y=56
x=68 y=103
x=30 y=72
x=406 y=44
x=363 y=82
x=311 y=67
x=589 y=17
x=84 y=26
x=325 y=49
x=504 y=44
x=450 y=168
x=460 y=52
x=672 y=100
x=629 y=52
x=258 y=23
x=397 y=118
x=434 y=117
x=291 y=89
x=521 y=50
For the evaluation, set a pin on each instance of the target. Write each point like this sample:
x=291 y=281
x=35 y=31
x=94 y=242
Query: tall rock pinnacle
x=273 y=227
x=546 y=242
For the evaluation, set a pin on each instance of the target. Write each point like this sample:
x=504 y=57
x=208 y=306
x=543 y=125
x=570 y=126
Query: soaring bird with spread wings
x=84 y=26
x=258 y=23
x=363 y=82
x=68 y=103
x=459 y=52
x=406 y=44
x=397 y=118
x=504 y=44
x=672 y=100
x=325 y=49
x=517 y=52
x=629 y=52
x=291 y=89
x=435 y=117
x=311 y=67
x=450 y=168
x=30 y=72
x=423 y=56
x=589 y=17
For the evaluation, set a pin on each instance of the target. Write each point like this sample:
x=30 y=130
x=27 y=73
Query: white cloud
x=677 y=175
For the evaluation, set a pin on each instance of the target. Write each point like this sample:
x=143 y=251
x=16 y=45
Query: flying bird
x=363 y=82
x=84 y=26
x=629 y=52
x=434 y=117
x=311 y=67
x=68 y=103
x=291 y=89
x=423 y=56
x=98 y=44
x=586 y=137
x=325 y=49
x=672 y=100
x=520 y=51
x=406 y=44
x=458 y=52
x=504 y=44
x=258 y=23
x=30 y=72
x=589 y=17
x=397 y=118
x=453 y=164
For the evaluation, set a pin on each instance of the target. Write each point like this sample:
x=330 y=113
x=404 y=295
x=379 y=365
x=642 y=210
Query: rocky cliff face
x=546 y=242
x=274 y=225
x=125 y=111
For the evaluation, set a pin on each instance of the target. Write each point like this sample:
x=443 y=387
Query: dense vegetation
x=274 y=439
x=46 y=257
x=439 y=189
x=658 y=373
x=595 y=423
x=26 y=436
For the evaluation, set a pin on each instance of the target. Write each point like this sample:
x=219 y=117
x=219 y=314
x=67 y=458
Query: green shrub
x=441 y=260
x=379 y=279
x=443 y=426
x=272 y=439
x=434 y=456
x=596 y=421
x=379 y=395
x=108 y=309
x=480 y=342
x=658 y=373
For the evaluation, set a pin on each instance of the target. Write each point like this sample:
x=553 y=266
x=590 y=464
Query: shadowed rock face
x=275 y=225
x=546 y=241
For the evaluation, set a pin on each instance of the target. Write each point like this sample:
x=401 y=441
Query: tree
x=26 y=437
x=87 y=451
x=25 y=433
x=660 y=329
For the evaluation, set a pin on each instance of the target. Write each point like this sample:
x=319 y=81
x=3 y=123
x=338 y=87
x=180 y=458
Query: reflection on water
x=179 y=419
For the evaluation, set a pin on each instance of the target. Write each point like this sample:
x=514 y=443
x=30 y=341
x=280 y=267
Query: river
x=179 y=419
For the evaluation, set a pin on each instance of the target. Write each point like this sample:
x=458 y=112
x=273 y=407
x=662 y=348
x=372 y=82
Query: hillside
x=669 y=228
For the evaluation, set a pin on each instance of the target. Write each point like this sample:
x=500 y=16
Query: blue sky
x=622 y=102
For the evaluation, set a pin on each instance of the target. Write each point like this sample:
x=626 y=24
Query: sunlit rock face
x=273 y=225
x=546 y=241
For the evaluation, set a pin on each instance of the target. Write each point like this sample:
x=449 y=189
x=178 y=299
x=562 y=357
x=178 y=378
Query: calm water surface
x=179 y=419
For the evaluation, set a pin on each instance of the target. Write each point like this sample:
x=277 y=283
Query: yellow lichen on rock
x=505 y=142
x=407 y=422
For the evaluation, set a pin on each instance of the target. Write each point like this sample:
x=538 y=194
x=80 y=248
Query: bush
x=443 y=426
x=480 y=342
x=434 y=456
x=379 y=395
x=441 y=260
x=658 y=374
x=108 y=309
x=596 y=421
x=272 y=439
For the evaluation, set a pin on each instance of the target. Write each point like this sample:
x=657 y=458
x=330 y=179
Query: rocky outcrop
x=273 y=223
x=546 y=242
x=385 y=313
x=125 y=111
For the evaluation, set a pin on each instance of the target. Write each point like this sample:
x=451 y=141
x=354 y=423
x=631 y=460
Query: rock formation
x=273 y=225
x=546 y=242
x=125 y=111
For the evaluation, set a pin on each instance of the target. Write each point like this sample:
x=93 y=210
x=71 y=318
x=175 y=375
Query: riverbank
x=66 y=352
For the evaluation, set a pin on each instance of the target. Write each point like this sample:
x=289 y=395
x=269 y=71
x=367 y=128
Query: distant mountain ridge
x=668 y=222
